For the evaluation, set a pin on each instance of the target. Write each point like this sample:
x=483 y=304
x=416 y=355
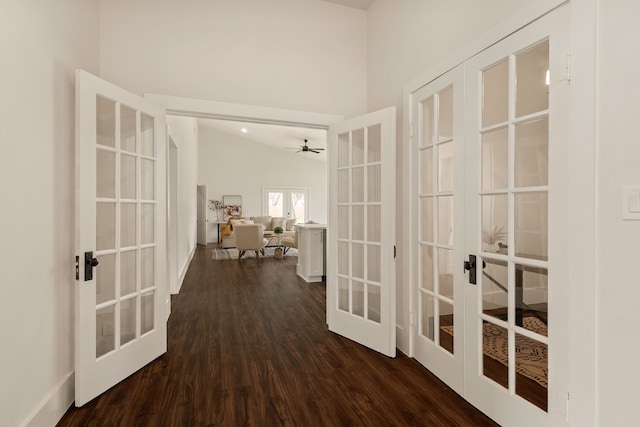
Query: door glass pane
x=127 y=129
x=494 y=222
x=373 y=263
x=105 y=226
x=426 y=170
x=495 y=89
x=495 y=360
x=532 y=368
x=148 y=223
x=105 y=324
x=532 y=154
x=495 y=285
x=494 y=159
x=147 y=268
x=147 y=308
x=127 y=177
x=446 y=319
x=426 y=219
x=276 y=204
x=357 y=223
x=343 y=150
x=105 y=174
x=532 y=298
x=343 y=222
x=105 y=122
x=343 y=258
x=358 y=298
x=127 y=225
x=373 y=184
x=357 y=263
x=445 y=114
x=373 y=223
x=357 y=189
x=106 y=278
x=426 y=134
x=426 y=316
x=298 y=201
x=127 y=272
x=445 y=220
x=426 y=268
x=531 y=225
x=374 y=147
x=343 y=294
x=445 y=272
x=373 y=303
x=343 y=186
x=148 y=187
x=147 y=136
x=532 y=91
x=127 y=320
x=445 y=167
x=357 y=144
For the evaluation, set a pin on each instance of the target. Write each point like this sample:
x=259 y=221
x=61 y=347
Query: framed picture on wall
x=232 y=206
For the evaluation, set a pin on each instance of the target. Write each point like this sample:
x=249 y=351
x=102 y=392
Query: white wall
x=41 y=43
x=277 y=53
x=618 y=249
x=184 y=132
x=231 y=164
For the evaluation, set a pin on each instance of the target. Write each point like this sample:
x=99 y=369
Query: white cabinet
x=311 y=248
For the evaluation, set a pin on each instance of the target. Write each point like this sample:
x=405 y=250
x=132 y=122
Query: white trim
x=193 y=107
x=185 y=266
x=53 y=407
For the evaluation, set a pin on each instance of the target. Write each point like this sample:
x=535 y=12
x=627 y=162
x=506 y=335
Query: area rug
x=531 y=355
x=219 y=254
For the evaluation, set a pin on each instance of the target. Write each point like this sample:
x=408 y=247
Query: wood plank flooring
x=248 y=346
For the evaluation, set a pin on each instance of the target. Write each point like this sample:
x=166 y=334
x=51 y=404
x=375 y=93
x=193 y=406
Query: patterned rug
x=232 y=253
x=531 y=355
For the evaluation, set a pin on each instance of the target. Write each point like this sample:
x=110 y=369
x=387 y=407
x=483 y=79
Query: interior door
x=361 y=233
x=121 y=285
x=516 y=110
x=437 y=154
x=202 y=215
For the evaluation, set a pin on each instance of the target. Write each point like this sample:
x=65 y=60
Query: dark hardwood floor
x=248 y=346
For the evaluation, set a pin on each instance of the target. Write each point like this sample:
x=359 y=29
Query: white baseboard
x=54 y=406
x=185 y=267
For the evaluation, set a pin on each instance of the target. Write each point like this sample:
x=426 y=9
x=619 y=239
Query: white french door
x=437 y=154
x=290 y=203
x=488 y=169
x=121 y=285
x=516 y=157
x=361 y=300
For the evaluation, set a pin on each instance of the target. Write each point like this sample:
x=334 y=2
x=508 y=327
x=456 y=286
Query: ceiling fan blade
x=313 y=151
x=316 y=148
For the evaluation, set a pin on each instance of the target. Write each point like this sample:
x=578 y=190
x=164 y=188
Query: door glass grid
x=126 y=171
x=359 y=236
x=435 y=218
x=514 y=146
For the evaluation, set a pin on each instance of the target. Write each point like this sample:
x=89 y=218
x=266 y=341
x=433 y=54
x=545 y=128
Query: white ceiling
x=358 y=4
x=286 y=138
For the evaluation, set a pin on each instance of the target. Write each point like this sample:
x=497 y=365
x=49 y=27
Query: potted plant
x=278 y=230
x=492 y=239
x=216 y=205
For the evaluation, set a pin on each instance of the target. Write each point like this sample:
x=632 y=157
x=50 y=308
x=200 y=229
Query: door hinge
x=568 y=67
x=395 y=252
x=412 y=319
x=77 y=267
x=412 y=130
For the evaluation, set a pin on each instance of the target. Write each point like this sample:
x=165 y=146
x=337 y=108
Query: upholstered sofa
x=269 y=223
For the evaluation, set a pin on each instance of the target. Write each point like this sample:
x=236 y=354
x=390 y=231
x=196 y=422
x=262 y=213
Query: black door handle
x=89 y=263
x=471 y=267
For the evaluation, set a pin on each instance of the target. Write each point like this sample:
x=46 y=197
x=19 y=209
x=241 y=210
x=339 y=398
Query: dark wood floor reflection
x=248 y=346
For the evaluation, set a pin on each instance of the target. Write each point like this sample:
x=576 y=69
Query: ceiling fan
x=305 y=148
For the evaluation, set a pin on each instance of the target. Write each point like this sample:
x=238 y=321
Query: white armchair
x=290 y=241
x=249 y=237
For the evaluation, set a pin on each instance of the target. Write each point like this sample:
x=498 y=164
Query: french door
x=121 y=283
x=437 y=152
x=291 y=203
x=489 y=226
x=361 y=231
